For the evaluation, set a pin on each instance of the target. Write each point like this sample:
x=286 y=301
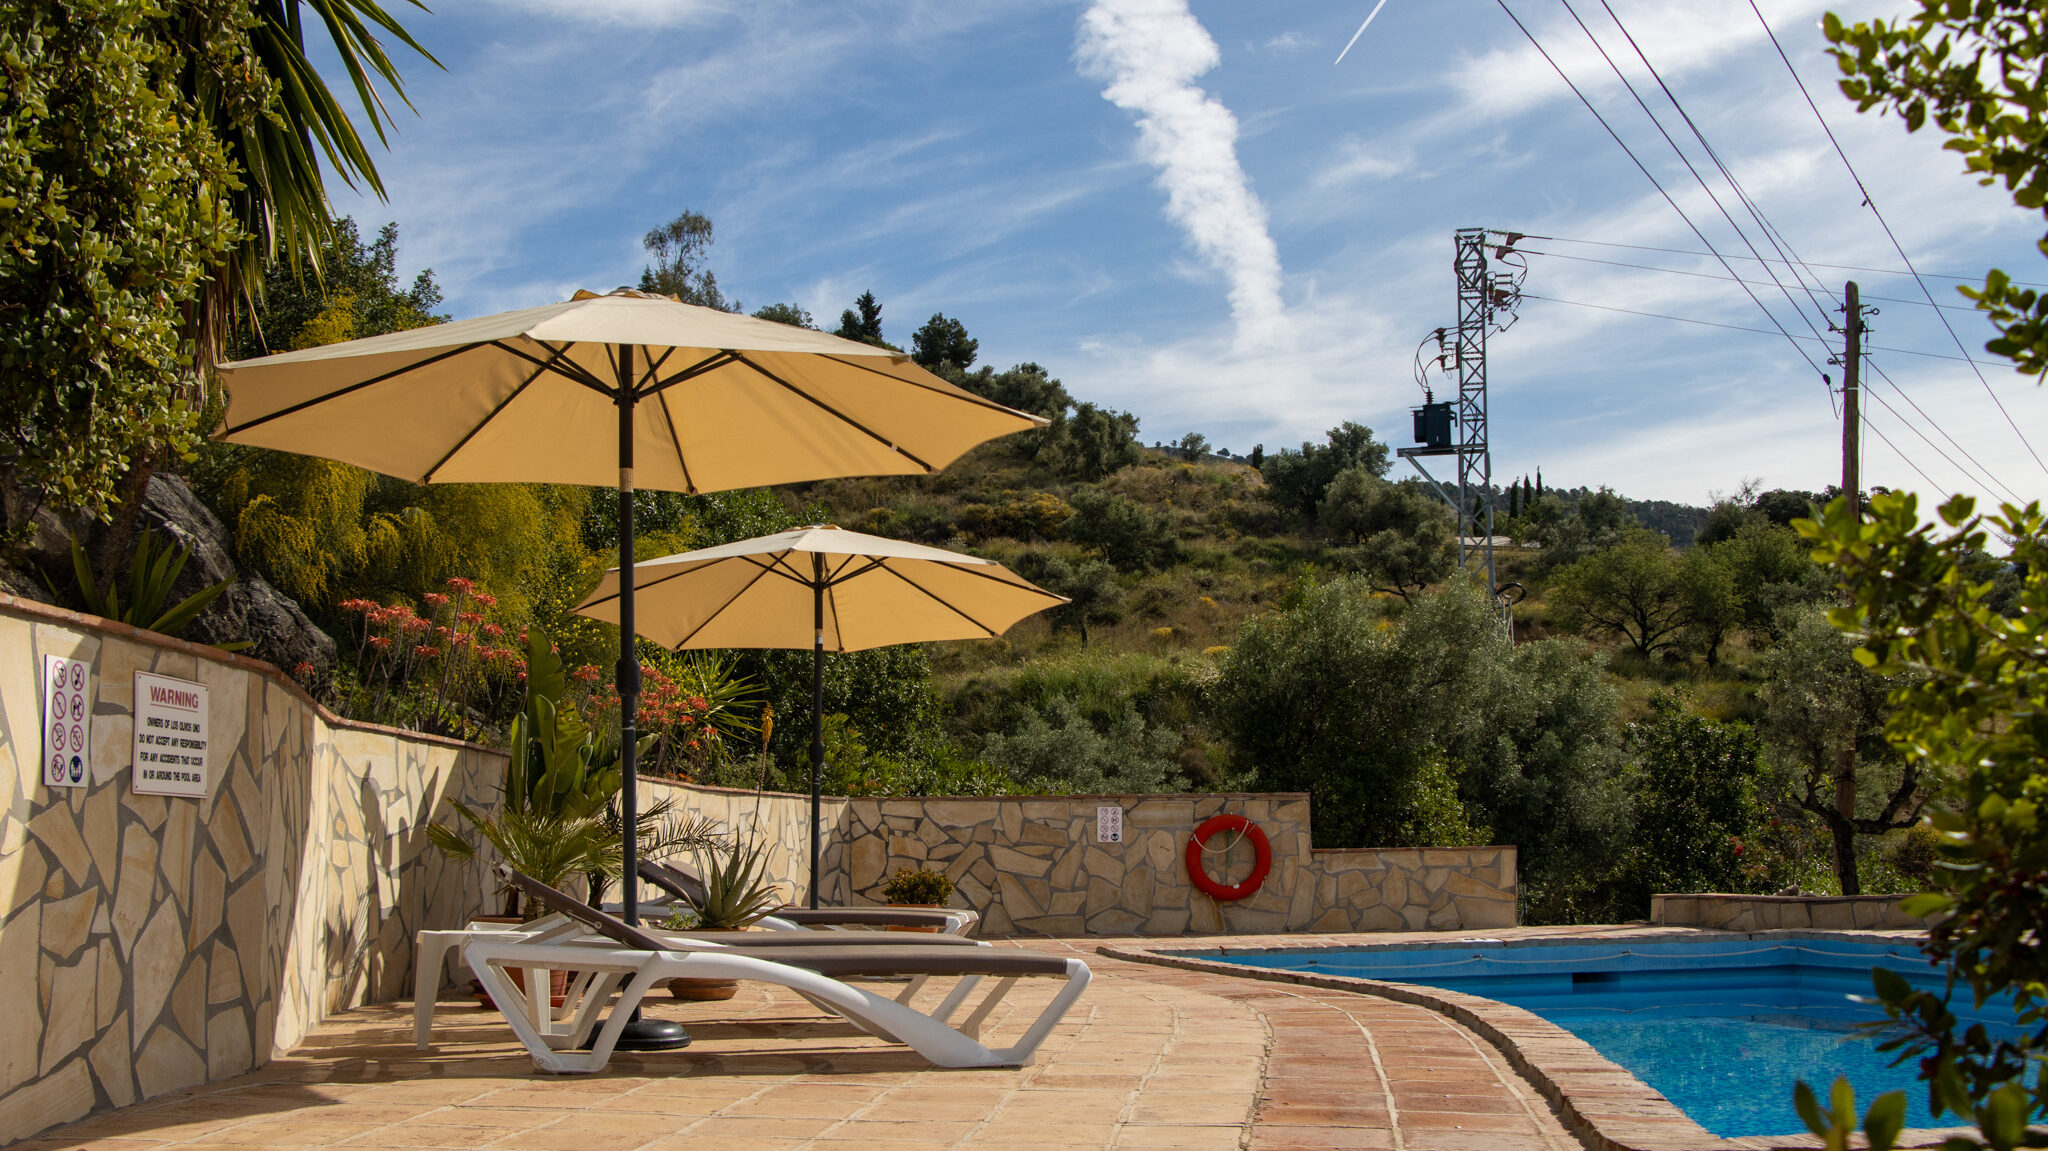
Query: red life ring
x=1262 y=857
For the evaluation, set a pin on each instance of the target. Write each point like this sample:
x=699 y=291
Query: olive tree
x=1826 y=712
x=1634 y=590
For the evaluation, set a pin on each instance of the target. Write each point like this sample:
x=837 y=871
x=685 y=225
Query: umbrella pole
x=639 y=1034
x=817 y=706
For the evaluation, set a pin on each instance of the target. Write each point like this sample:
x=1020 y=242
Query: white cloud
x=632 y=13
x=1150 y=52
x=1681 y=39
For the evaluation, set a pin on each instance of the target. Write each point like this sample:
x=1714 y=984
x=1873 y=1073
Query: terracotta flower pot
x=558 y=981
x=706 y=990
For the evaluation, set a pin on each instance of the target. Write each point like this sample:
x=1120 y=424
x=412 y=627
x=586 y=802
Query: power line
x=1874 y=394
x=1755 y=213
x=1903 y=457
x=1870 y=203
x=1936 y=425
x=1830 y=267
x=1697 y=178
x=1640 y=167
x=1717 y=276
x=1740 y=328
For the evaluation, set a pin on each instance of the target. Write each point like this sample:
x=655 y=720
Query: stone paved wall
x=1032 y=866
x=155 y=943
x=775 y=820
x=1723 y=912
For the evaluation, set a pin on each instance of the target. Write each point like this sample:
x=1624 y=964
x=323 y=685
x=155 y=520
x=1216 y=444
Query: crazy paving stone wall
x=1034 y=865
x=154 y=943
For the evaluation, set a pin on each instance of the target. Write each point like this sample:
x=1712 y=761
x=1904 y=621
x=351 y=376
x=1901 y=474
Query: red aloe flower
x=435 y=599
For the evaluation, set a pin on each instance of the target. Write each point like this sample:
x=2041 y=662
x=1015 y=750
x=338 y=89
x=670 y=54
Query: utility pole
x=1852 y=377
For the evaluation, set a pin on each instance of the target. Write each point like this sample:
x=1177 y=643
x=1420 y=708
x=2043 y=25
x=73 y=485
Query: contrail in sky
x=1150 y=52
x=1361 y=31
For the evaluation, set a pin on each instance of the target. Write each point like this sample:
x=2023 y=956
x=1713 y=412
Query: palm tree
x=279 y=148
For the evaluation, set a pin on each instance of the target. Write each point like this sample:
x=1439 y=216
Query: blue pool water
x=1721 y=1028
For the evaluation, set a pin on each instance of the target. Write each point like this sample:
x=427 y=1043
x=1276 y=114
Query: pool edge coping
x=1602 y=1103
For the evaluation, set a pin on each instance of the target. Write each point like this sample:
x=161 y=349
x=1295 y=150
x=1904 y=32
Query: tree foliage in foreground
x=1971 y=707
x=113 y=216
x=1973 y=68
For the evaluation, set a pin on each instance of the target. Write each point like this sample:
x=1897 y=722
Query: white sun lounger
x=632 y=962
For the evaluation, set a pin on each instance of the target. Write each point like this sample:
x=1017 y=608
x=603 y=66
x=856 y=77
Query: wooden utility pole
x=1852 y=378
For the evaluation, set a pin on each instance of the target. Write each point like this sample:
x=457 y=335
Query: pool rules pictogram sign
x=170 y=736
x=67 y=722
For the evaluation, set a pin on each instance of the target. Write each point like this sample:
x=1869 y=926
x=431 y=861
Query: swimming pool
x=1722 y=1028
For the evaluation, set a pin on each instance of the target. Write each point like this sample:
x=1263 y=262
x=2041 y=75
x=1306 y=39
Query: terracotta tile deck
x=1151 y=1058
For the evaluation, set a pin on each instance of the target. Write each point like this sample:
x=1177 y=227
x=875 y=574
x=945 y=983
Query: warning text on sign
x=170 y=736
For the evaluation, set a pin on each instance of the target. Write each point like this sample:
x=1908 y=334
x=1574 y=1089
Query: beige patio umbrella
x=824 y=588
x=629 y=388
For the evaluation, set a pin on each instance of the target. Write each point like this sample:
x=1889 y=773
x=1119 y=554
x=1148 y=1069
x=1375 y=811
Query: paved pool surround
x=1600 y=1102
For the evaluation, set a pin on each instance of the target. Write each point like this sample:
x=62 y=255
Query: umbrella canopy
x=764 y=592
x=717 y=401
x=629 y=388
x=823 y=588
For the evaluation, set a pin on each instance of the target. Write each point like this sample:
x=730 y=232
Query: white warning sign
x=170 y=736
x=67 y=722
x=1109 y=825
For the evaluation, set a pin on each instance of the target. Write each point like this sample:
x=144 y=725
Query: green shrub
x=1058 y=750
x=918 y=885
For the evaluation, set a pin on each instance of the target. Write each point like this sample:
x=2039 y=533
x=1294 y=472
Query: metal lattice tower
x=1488 y=293
x=1475 y=461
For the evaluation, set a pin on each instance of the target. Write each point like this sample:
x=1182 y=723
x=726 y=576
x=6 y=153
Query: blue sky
x=1183 y=208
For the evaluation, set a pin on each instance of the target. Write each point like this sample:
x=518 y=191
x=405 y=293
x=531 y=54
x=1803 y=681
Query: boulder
x=250 y=609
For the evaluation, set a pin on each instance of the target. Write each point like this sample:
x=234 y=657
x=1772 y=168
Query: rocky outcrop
x=279 y=633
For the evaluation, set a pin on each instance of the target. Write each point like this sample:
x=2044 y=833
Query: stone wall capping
x=113 y=629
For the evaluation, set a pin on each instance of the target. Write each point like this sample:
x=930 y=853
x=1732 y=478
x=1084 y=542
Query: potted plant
x=559 y=782
x=737 y=894
x=917 y=887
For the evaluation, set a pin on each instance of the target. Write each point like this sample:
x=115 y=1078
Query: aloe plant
x=151 y=576
x=737 y=891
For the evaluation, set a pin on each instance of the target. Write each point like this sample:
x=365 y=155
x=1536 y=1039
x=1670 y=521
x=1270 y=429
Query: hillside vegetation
x=1667 y=717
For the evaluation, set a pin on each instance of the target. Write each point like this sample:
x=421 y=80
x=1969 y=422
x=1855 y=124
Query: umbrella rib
x=849 y=420
x=428 y=475
x=873 y=562
x=654 y=364
x=934 y=597
x=979 y=401
x=729 y=601
x=573 y=372
x=639 y=587
x=707 y=364
x=356 y=387
x=983 y=569
x=676 y=438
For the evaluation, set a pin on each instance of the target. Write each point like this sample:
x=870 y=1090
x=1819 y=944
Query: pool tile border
x=1601 y=1102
